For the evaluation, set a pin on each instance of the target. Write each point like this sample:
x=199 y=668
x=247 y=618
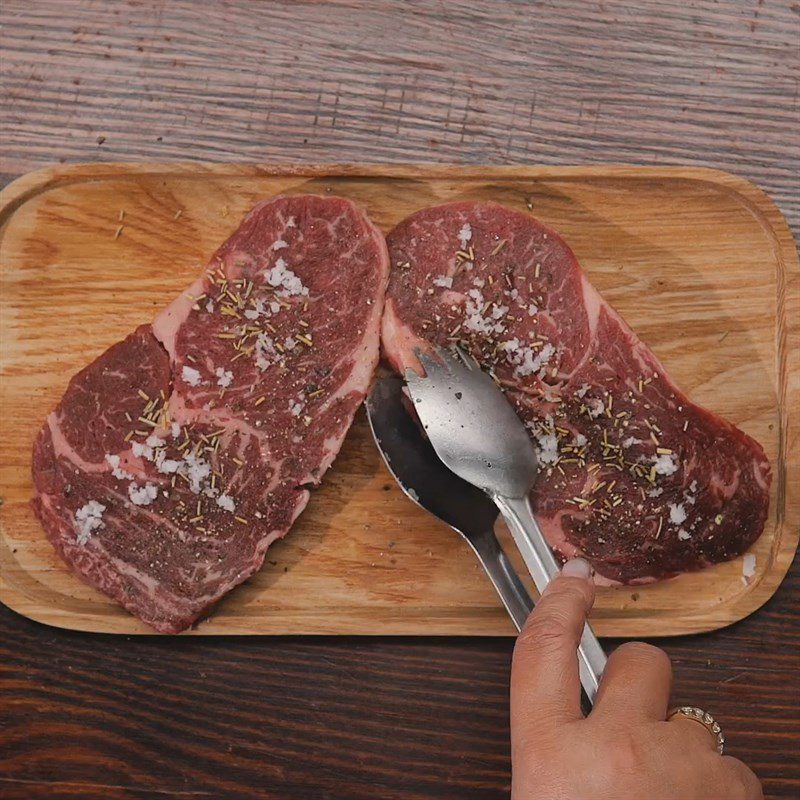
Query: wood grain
x=697 y=261
x=645 y=81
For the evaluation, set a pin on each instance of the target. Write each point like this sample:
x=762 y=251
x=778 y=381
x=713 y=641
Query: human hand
x=624 y=749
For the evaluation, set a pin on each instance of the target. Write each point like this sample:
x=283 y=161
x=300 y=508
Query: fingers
x=742 y=776
x=636 y=684
x=730 y=779
x=691 y=734
x=545 y=683
x=725 y=777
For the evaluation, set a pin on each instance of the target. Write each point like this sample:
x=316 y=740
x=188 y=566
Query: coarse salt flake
x=280 y=244
x=168 y=466
x=141 y=450
x=677 y=513
x=475 y=320
x=224 y=377
x=530 y=361
x=595 y=407
x=142 y=495
x=281 y=276
x=265 y=351
x=547 y=452
x=114 y=462
x=510 y=346
x=88 y=519
x=261 y=309
x=197 y=470
x=225 y=501
x=191 y=376
x=276 y=274
x=665 y=464
x=444 y=281
x=465 y=234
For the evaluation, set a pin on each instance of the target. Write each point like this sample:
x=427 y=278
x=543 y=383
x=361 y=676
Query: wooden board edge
x=755 y=199
x=435 y=625
x=31 y=183
x=758 y=202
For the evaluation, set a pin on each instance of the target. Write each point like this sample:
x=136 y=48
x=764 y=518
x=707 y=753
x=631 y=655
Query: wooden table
x=707 y=83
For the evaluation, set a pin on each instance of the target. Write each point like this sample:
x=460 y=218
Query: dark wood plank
x=708 y=83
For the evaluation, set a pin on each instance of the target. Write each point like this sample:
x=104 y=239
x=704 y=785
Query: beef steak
x=179 y=455
x=634 y=476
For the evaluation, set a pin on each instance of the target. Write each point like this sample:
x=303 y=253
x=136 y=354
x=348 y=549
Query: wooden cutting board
x=700 y=263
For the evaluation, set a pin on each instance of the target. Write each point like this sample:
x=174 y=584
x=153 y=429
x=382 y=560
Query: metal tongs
x=478 y=435
x=428 y=483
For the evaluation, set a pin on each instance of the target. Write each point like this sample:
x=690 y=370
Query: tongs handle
x=543 y=567
x=504 y=578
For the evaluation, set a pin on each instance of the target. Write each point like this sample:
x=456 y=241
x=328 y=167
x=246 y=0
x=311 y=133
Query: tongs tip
x=432 y=362
x=440 y=359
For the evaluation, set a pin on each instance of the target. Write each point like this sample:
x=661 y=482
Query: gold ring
x=704 y=718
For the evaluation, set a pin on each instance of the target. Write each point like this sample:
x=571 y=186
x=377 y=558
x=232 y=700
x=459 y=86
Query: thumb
x=545 y=682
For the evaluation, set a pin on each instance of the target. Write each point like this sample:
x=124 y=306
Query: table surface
x=647 y=82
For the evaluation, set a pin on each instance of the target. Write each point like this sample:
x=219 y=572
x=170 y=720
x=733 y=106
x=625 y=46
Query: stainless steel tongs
x=426 y=481
x=478 y=435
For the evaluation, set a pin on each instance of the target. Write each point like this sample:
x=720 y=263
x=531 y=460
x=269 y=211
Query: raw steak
x=176 y=458
x=634 y=476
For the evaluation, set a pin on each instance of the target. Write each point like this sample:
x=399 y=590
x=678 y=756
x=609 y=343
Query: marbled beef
x=634 y=476
x=176 y=458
